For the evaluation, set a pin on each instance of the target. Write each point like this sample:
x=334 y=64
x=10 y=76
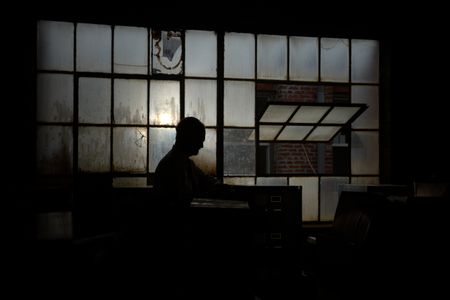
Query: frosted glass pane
x=94 y=100
x=369 y=119
x=323 y=133
x=206 y=158
x=294 y=133
x=239 y=55
x=272 y=57
x=239 y=152
x=310 y=196
x=303 y=58
x=130 y=149
x=334 y=58
x=278 y=113
x=201 y=100
x=161 y=141
x=340 y=115
x=164 y=102
x=366 y=180
x=365 y=61
x=239 y=180
x=93 y=48
x=93 y=149
x=54 y=98
x=309 y=114
x=167 y=52
x=130 y=50
x=252 y=135
x=365 y=153
x=54 y=150
x=239 y=103
x=266 y=181
x=201 y=53
x=130 y=101
x=268 y=132
x=129 y=182
x=329 y=196
x=55 y=46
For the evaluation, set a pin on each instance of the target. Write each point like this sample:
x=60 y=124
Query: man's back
x=173 y=181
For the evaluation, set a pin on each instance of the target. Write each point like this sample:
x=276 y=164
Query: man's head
x=190 y=135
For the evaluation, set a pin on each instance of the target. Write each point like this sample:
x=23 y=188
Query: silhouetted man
x=177 y=179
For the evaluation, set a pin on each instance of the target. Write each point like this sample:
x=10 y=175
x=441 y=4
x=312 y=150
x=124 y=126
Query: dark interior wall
x=418 y=100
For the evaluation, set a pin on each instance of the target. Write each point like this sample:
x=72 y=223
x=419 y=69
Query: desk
x=221 y=223
x=262 y=216
x=254 y=239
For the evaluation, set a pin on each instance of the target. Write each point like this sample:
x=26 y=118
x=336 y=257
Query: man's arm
x=210 y=186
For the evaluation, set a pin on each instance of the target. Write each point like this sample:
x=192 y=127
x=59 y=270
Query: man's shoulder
x=165 y=161
x=170 y=161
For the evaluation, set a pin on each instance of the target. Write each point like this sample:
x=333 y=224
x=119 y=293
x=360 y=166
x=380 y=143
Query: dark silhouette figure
x=191 y=268
x=177 y=179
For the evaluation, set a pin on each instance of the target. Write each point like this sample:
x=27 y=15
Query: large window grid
x=77 y=134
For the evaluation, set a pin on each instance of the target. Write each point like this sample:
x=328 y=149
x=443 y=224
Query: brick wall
x=301 y=157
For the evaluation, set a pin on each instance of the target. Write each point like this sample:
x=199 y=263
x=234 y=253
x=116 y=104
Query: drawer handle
x=275 y=199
